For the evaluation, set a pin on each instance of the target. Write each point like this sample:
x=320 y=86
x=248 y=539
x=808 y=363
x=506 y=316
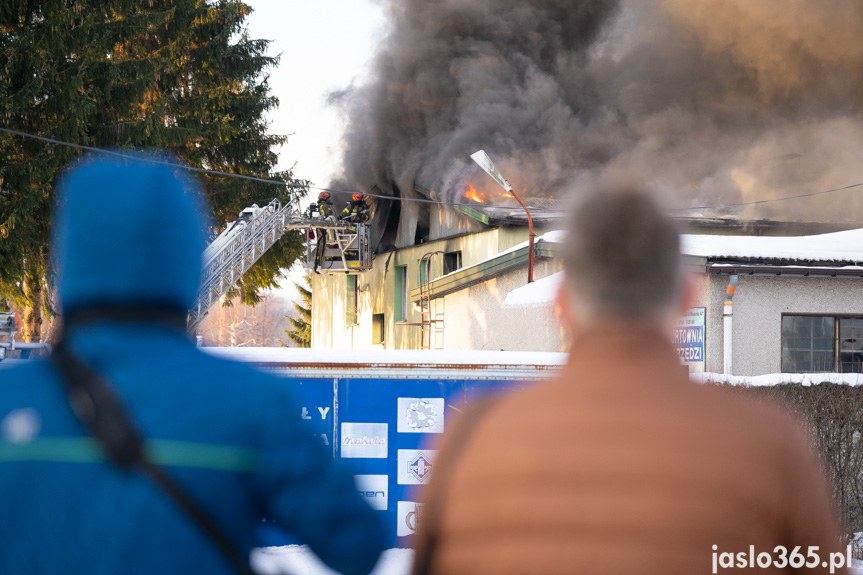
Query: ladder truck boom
x=255 y=231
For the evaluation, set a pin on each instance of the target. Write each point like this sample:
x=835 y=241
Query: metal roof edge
x=485 y=270
x=793 y=270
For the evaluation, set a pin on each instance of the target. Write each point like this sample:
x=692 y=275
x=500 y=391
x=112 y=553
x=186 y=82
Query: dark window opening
x=451 y=262
x=377 y=328
x=423 y=228
x=391 y=227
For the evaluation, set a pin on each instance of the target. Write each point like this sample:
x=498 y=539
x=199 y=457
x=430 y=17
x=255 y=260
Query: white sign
x=374 y=489
x=420 y=415
x=364 y=440
x=409 y=516
x=415 y=466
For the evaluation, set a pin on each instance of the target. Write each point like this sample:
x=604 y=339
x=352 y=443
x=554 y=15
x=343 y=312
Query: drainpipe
x=727 y=314
x=530 y=237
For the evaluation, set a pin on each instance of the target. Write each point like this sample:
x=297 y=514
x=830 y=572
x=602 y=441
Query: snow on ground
x=540 y=293
x=769 y=379
x=837 y=246
x=299 y=560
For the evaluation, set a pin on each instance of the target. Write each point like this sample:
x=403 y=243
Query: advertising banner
x=420 y=415
x=688 y=339
x=374 y=489
x=364 y=440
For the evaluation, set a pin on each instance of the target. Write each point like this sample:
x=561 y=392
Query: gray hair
x=622 y=255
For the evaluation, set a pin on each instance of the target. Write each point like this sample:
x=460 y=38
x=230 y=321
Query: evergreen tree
x=301 y=332
x=176 y=75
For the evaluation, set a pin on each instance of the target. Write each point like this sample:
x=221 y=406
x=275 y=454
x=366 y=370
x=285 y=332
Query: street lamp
x=484 y=162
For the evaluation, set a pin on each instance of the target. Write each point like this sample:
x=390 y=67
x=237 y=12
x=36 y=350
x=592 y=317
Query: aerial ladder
x=332 y=246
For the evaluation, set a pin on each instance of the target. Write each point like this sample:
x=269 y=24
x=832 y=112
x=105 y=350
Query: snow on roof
x=540 y=293
x=844 y=246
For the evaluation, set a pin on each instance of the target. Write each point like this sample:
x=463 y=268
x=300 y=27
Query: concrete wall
x=759 y=304
x=377 y=295
x=475 y=317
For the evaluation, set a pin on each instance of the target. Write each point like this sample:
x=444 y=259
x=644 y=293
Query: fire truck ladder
x=431 y=320
x=245 y=240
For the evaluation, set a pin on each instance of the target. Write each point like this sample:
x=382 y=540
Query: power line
x=380 y=196
x=754 y=202
x=244 y=177
x=139 y=158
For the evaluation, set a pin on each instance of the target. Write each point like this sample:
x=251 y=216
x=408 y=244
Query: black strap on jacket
x=98 y=409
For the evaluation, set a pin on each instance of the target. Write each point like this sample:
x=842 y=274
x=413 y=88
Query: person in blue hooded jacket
x=129 y=233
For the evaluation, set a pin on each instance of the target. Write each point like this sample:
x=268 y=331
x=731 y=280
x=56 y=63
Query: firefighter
x=357 y=209
x=325 y=205
x=325 y=236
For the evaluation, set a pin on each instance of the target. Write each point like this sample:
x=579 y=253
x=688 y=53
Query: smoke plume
x=716 y=101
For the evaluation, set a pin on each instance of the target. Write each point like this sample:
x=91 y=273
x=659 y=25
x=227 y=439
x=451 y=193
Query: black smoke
x=716 y=101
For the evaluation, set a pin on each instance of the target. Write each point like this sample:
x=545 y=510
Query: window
x=401 y=292
x=809 y=343
x=421 y=272
x=850 y=358
x=377 y=328
x=351 y=300
x=451 y=262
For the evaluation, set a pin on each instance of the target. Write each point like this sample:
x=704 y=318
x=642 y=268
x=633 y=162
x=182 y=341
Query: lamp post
x=484 y=162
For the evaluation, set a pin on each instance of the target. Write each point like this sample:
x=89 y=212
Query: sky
x=325 y=45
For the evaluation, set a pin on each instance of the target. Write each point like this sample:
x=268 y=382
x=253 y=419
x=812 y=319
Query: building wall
x=475 y=317
x=377 y=291
x=759 y=304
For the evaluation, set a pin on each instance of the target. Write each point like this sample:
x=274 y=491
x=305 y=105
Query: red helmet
x=357 y=197
x=324 y=196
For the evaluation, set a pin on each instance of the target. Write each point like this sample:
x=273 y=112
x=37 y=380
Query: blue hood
x=127 y=232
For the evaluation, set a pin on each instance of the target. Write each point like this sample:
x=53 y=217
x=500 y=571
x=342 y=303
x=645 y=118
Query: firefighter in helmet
x=357 y=209
x=325 y=208
x=325 y=205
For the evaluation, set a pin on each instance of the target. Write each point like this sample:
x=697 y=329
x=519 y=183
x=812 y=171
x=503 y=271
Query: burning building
x=717 y=103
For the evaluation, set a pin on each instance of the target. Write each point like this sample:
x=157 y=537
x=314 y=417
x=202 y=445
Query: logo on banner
x=420 y=467
x=364 y=440
x=420 y=415
x=415 y=466
x=410 y=516
x=373 y=488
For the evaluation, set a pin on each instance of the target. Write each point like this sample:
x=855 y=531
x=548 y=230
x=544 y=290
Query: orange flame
x=471 y=193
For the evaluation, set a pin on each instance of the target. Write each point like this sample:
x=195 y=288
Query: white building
x=459 y=281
